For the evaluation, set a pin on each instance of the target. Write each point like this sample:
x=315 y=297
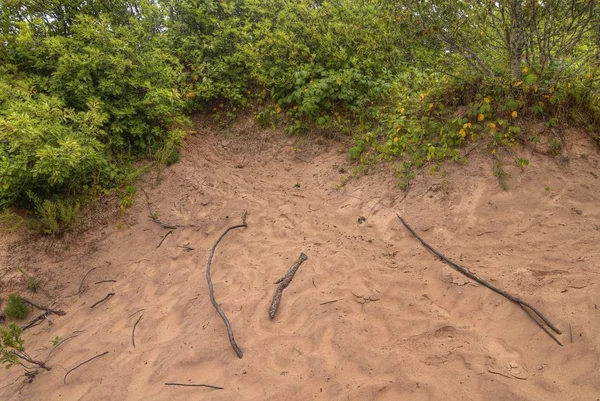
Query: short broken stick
x=194 y=385
x=106 y=281
x=133 y=332
x=283 y=283
x=211 y=290
x=530 y=310
x=82 y=363
x=106 y=298
x=330 y=302
x=163 y=238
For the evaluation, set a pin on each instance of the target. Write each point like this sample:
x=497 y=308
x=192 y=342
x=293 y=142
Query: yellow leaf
x=278 y=109
x=514 y=114
x=487 y=99
x=480 y=117
x=396 y=140
x=465 y=125
x=518 y=83
x=463 y=133
x=493 y=151
x=492 y=126
x=525 y=69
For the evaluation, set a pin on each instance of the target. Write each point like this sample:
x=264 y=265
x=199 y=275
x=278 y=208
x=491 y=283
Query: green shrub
x=81 y=96
x=15 y=307
x=54 y=216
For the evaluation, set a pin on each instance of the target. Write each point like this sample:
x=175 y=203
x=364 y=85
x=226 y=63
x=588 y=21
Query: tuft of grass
x=54 y=216
x=15 y=307
x=33 y=284
x=10 y=221
x=501 y=175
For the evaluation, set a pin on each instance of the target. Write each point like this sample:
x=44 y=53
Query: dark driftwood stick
x=106 y=281
x=36 y=321
x=133 y=332
x=211 y=290
x=56 y=312
x=82 y=363
x=530 y=310
x=283 y=283
x=194 y=385
x=106 y=298
x=163 y=238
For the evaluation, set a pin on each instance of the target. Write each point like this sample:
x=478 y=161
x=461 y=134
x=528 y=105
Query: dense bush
x=80 y=96
x=308 y=57
x=15 y=307
x=89 y=87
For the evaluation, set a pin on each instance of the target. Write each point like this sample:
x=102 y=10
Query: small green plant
x=501 y=175
x=33 y=284
x=54 y=216
x=173 y=157
x=168 y=153
x=553 y=122
x=267 y=116
x=556 y=146
x=10 y=221
x=15 y=307
x=55 y=341
x=127 y=197
x=406 y=175
x=12 y=350
x=522 y=162
x=547 y=188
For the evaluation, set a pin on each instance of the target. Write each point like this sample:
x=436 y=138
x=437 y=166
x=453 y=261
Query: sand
x=404 y=326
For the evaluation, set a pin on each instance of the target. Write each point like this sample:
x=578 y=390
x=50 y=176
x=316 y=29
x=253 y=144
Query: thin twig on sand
x=283 y=283
x=81 y=289
x=106 y=298
x=211 y=290
x=194 y=385
x=163 y=238
x=82 y=363
x=330 y=302
x=133 y=332
x=58 y=345
x=530 y=310
x=153 y=215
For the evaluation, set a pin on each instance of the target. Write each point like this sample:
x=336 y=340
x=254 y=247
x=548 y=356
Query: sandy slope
x=405 y=327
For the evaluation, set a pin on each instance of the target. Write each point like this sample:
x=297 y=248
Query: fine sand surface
x=405 y=325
